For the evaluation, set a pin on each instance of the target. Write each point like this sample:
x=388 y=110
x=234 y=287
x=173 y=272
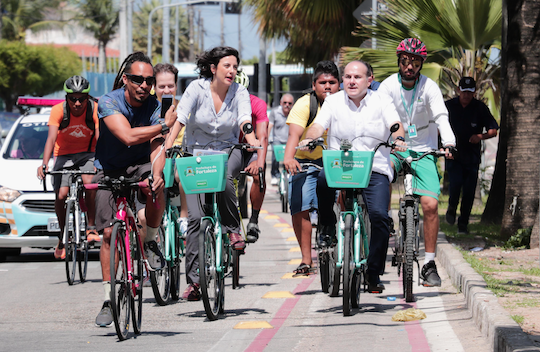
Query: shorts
x=105 y=202
x=303 y=188
x=80 y=161
x=426 y=177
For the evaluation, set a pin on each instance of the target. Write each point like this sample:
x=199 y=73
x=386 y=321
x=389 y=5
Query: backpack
x=89 y=119
x=313 y=107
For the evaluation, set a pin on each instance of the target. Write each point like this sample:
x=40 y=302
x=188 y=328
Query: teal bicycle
x=208 y=174
x=166 y=281
x=279 y=152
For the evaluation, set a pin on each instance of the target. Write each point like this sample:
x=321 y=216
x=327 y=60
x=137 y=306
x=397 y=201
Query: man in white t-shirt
x=420 y=105
x=364 y=117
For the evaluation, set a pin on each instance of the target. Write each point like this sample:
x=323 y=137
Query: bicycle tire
x=175 y=259
x=120 y=296
x=208 y=275
x=161 y=279
x=236 y=269
x=243 y=196
x=409 y=254
x=324 y=270
x=360 y=273
x=70 y=244
x=348 y=262
x=284 y=192
x=138 y=279
x=83 y=253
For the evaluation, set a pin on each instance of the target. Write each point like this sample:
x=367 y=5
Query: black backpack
x=89 y=119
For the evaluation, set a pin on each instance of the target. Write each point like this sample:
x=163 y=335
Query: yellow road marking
x=291 y=239
x=295 y=262
x=270 y=217
x=288 y=229
x=294 y=249
x=253 y=325
x=280 y=224
x=263 y=211
x=290 y=276
x=278 y=294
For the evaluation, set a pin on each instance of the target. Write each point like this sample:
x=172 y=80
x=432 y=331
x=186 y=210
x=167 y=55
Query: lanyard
x=410 y=108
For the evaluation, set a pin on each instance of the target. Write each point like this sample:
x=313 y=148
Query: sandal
x=303 y=270
x=60 y=253
x=92 y=234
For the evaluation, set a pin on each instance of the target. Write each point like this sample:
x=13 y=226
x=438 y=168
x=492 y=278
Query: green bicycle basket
x=347 y=170
x=279 y=152
x=203 y=174
x=168 y=172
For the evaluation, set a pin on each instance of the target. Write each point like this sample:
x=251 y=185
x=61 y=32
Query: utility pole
x=130 y=26
x=262 y=69
x=202 y=33
x=123 y=32
x=165 y=56
x=191 y=34
x=222 y=24
x=176 y=33
x=239 y=36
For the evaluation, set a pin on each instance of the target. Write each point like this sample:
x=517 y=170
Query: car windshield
x=28 y=141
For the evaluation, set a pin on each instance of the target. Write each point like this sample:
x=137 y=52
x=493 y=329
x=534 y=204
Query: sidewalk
x=491 y=319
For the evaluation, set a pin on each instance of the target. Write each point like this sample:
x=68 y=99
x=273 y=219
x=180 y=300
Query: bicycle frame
x=221 y=241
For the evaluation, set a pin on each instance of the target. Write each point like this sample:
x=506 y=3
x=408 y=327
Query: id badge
x=412 y=131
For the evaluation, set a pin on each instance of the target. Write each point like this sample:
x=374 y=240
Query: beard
x=408 y=79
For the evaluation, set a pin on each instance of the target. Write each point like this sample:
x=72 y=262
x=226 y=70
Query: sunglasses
x=287 y=103
x=138 y=80
x=80 y=100
x=406 y=62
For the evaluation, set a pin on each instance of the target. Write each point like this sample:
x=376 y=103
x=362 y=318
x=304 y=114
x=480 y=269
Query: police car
x=27 y=216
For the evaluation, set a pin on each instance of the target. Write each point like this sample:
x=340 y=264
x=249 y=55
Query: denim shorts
x=303 y=188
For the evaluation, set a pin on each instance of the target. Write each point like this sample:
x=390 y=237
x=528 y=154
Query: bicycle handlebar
x=64 y=172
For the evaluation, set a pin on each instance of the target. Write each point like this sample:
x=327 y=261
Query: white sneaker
x=183 y=224
x=314 y=216
x=274 y=181
x=153 y=255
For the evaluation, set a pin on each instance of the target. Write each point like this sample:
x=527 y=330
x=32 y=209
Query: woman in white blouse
x=214 y=110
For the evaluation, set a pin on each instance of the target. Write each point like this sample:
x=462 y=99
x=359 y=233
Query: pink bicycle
x=127 y=255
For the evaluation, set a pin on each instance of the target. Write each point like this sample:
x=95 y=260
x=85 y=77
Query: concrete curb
x=492 y=320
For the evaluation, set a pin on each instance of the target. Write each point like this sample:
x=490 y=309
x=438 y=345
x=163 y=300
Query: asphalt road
x=270 y=311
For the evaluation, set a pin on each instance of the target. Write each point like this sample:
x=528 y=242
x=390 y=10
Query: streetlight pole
x=191 y=2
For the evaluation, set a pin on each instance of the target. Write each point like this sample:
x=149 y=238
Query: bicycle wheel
x=174 y=231
x=284 y=191
x=138 y=279
x=409 y=254
x=120 y=296
x=324 y=270
x=360 y=273
x=83 y=253
x=210 y=279
x=243 y=195
x=236 y=269
x=70 y=244
x=161 y=279
x=348 y=263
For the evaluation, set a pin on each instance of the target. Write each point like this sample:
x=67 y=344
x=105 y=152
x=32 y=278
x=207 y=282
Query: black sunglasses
x=138 y=80
x=406 y=62
x=75 y=99
x=287 y=103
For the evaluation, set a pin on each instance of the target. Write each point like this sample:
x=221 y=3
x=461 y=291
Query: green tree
x=100 y=17
x=19 y=15
x=33 y=70
x=459 y=35
x=314 y=29
x=140 y=31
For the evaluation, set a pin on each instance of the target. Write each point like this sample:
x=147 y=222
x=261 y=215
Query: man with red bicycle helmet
x=420 y=105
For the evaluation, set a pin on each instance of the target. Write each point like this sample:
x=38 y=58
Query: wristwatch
x=164 y=128
x=399 y=138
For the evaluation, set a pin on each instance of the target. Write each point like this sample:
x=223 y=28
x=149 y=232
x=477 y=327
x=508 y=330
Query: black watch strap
x=399 y=138
x=164 y=128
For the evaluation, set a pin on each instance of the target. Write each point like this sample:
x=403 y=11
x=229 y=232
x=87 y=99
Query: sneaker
x=326 y=236
x=183 y=224
x=462 y=230
x=450 y=218
x=391 y=226
x=374 y=284
x=274 y=181
x=192 y=293
x=105 y=318
x=430 y=275
x=252 y=232
x=92 y=235
x=314 y=217
x=153 y=255
x=60 y=253
x=237 y=241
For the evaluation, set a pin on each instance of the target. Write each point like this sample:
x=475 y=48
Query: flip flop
x=303 y=270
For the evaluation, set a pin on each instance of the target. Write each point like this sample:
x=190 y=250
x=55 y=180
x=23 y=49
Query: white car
x=26 y=211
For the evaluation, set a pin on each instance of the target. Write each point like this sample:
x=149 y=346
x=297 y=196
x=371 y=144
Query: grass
x=518 y=319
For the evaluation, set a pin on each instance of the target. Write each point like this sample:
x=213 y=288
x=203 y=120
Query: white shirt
x=427 y=113
x=203 y=124
x=365 y=126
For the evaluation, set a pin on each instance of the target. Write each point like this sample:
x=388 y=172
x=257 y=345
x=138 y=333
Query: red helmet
x=412 y=46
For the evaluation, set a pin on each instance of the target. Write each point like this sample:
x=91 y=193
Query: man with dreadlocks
x=130 y=135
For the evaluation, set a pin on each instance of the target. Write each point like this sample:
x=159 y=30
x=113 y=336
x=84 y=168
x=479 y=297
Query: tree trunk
x=102 y=57
x=520 y=99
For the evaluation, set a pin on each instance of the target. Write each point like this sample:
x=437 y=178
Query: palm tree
x=16 y=16
x=140 y=31
x=459 y=35
x=315 y=29
x=100 y=17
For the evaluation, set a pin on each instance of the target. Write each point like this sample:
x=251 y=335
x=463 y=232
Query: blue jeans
x=376 y=196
